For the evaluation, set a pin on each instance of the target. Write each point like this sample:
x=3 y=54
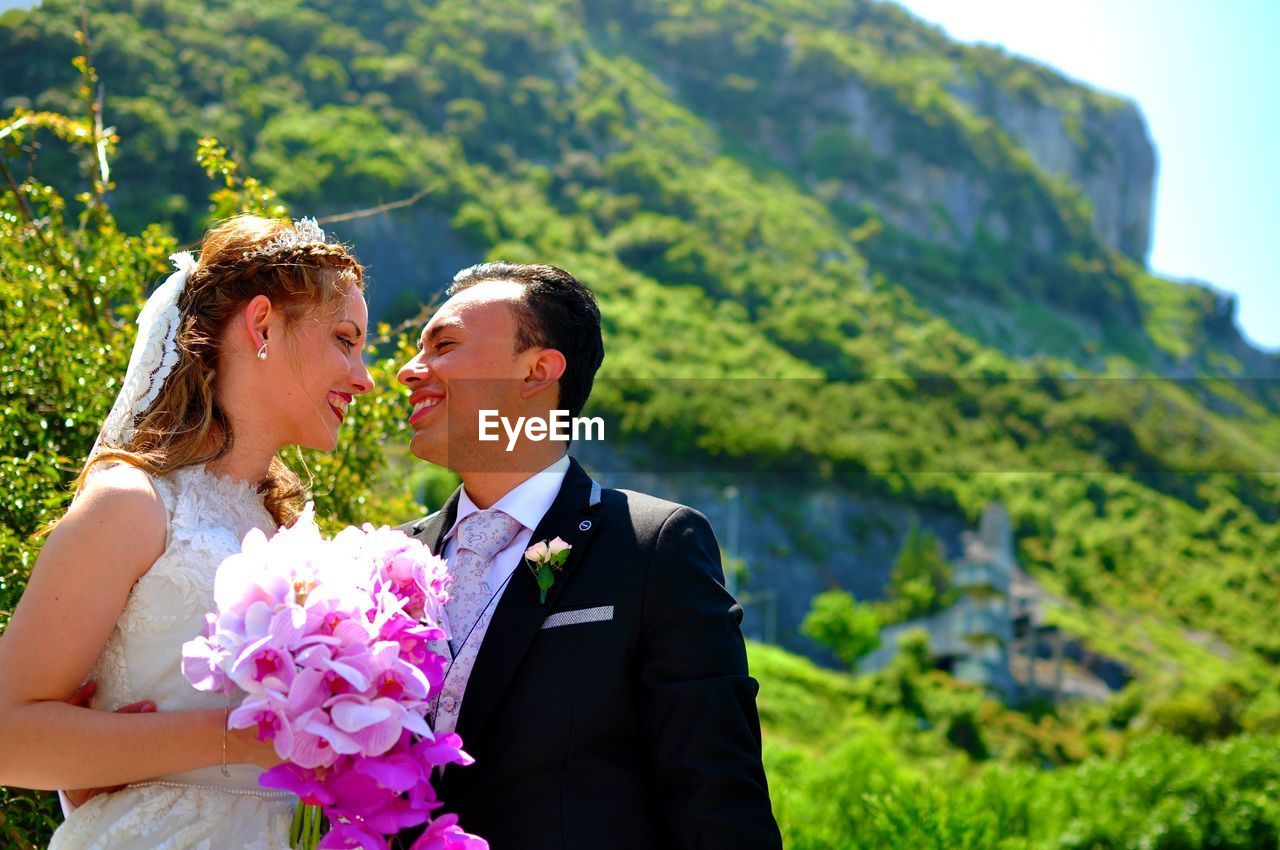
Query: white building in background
x=995 y=635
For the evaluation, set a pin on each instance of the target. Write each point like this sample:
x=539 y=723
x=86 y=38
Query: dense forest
x=828 y=209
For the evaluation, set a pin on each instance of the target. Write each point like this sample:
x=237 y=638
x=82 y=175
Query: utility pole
x=730 y=494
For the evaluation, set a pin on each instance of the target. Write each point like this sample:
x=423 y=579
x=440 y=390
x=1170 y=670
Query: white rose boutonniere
x=544 y=558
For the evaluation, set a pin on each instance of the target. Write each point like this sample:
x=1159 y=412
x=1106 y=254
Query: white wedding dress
x=199 y=809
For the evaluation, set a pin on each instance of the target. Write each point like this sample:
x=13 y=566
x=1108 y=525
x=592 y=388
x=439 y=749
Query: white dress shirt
x=527 y=504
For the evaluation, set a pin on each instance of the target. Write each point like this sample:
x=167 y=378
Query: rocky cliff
x=859 y=146
x=1103 y=149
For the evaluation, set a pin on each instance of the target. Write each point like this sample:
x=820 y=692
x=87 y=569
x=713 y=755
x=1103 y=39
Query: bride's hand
x=243 y=747
x=81 y=697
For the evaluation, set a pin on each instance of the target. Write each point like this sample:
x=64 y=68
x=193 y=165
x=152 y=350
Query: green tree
x=920 y=584
x=847 y=627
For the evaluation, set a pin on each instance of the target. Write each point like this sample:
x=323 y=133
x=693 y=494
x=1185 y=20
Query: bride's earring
x=262 y=352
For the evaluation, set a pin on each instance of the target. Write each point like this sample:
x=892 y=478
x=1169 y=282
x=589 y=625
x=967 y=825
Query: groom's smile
x=424 y=401
x=466 y=361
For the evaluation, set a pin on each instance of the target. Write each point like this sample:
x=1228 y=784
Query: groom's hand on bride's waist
x=81 y=698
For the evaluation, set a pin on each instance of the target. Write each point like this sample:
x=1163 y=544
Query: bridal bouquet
x=329 y=642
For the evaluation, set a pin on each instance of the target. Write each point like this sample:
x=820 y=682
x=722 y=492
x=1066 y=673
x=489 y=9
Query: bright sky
x=1205 y=74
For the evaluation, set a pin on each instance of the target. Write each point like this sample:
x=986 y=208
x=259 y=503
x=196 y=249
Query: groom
x=618 y=711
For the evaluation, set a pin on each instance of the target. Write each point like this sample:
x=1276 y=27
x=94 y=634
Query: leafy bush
x=865 y=781
x=840 y=623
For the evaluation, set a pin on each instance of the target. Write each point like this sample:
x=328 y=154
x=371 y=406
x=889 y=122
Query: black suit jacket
x=639 y=731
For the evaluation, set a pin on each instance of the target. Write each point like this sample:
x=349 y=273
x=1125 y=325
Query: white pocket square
x=582 y=615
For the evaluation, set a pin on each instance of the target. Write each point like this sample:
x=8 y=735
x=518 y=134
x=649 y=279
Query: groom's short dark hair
x=554 y=311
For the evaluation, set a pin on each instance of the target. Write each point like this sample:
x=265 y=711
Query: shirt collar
x=527 y=503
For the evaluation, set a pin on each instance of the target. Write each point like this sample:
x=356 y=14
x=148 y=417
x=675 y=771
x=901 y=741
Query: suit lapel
x=519 y=615
x=432 y=529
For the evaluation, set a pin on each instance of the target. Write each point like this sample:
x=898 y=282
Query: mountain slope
x=855 y=324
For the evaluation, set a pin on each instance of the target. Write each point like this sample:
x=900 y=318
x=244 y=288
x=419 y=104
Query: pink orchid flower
x=331 y=643
x=443 y=833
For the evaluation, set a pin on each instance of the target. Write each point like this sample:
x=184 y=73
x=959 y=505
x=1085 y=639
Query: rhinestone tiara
x=304 y=233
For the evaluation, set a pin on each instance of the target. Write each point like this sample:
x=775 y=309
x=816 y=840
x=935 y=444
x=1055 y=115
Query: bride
x=256 y=346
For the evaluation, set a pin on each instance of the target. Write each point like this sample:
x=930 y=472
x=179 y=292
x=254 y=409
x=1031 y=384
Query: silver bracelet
x=226 y=715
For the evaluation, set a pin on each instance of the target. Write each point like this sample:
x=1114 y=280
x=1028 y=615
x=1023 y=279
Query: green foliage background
x=646 y=147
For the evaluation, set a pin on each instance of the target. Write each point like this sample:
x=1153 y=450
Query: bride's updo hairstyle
x=239 y=260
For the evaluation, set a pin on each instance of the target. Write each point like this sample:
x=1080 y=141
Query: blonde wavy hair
x=186 y=424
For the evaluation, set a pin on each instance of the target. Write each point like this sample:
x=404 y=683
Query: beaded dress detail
x=209 y=515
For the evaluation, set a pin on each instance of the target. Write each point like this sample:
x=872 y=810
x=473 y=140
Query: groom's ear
x=544 y=369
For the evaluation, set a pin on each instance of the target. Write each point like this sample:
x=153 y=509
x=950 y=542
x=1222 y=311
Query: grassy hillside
x=847 y=770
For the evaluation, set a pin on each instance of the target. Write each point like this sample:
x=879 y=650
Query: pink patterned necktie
x=480 y=536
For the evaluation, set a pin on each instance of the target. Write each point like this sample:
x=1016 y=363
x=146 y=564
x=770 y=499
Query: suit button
x=448 y=704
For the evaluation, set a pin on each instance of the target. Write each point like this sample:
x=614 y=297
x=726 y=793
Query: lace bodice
x=208 y=518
